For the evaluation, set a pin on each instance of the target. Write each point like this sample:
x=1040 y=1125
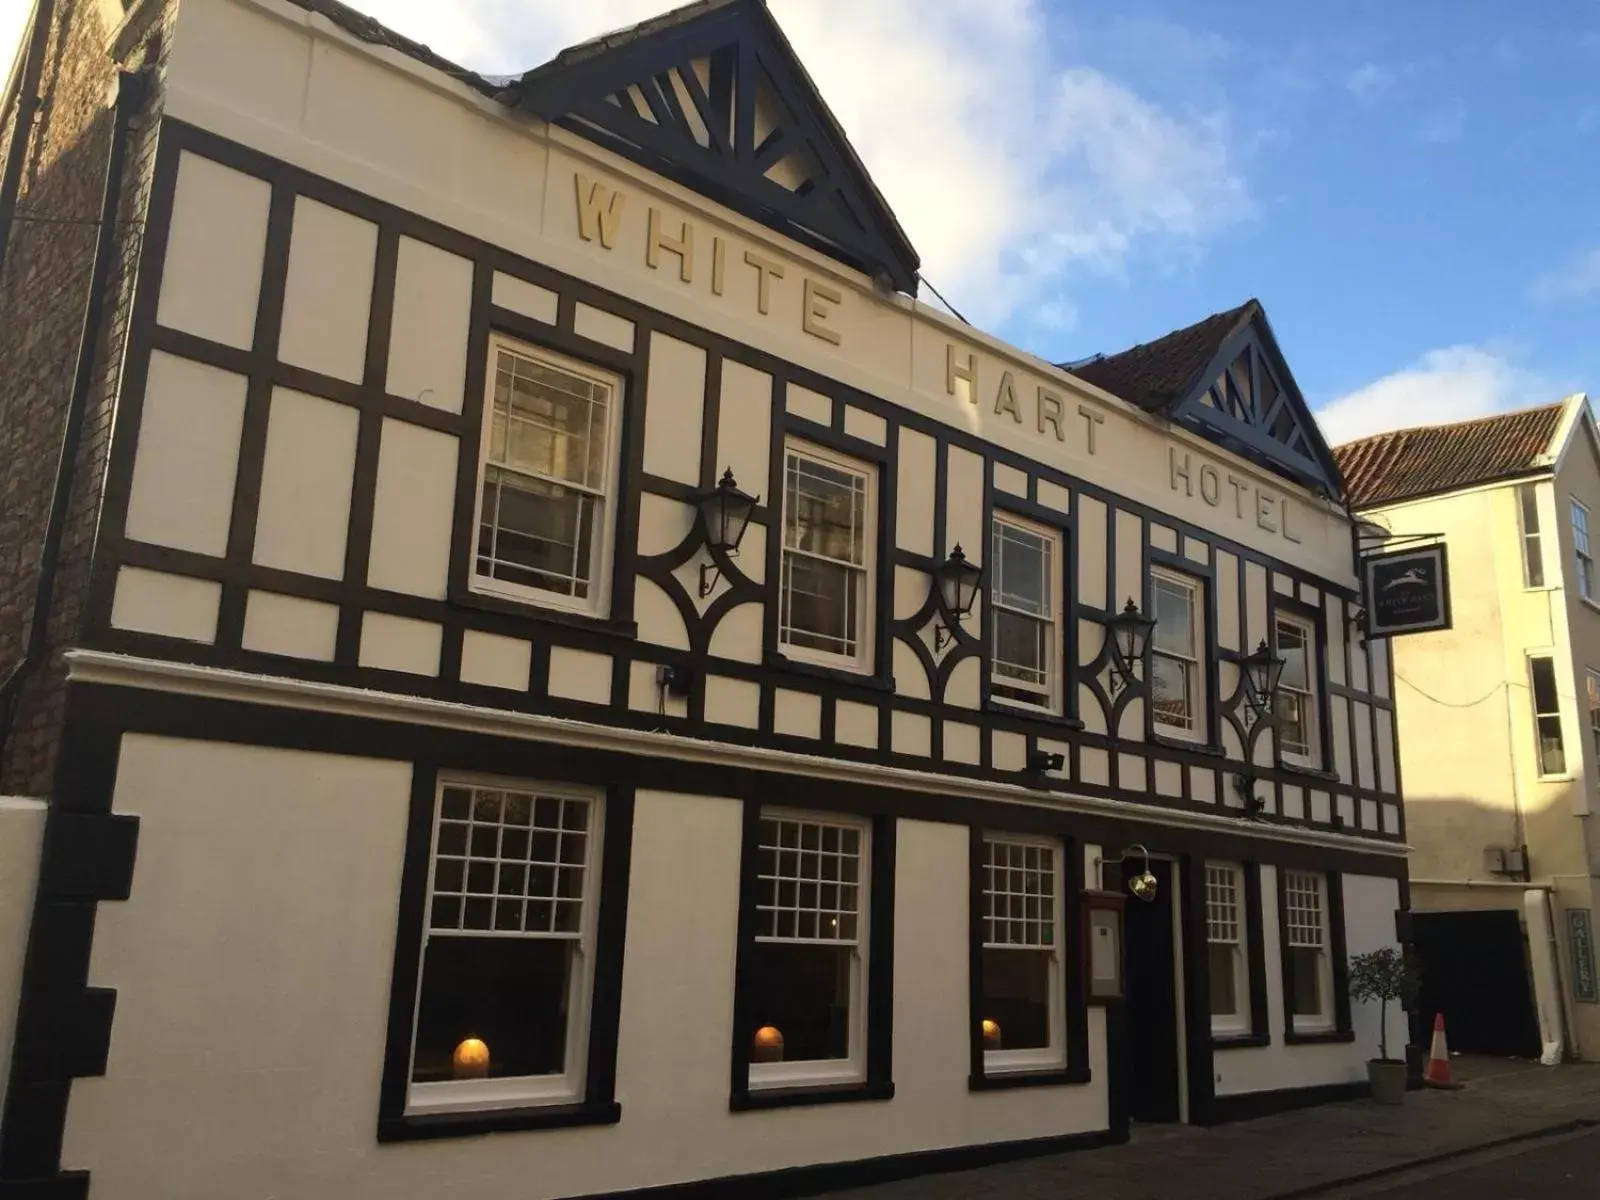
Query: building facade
x=1501 y=717
x=433 y=761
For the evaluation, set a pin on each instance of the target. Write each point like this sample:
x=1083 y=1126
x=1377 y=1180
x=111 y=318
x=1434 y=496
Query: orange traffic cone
x=1437 y=1073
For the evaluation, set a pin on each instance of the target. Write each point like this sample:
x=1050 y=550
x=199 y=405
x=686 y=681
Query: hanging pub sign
x=1407 y=591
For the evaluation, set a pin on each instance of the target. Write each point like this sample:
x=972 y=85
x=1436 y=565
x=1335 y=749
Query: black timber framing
x=465 y=609
x=838 y=211
x=83 y=829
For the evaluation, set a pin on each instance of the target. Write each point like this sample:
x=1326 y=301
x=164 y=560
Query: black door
x=1475 y=971
x=1152 y=1001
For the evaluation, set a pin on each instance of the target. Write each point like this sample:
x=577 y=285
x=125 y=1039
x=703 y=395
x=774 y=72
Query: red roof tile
x=1156 y=374
x=1408 y=463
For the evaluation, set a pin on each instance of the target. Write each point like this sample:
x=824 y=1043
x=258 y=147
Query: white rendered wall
x=1369 y=907
x=21 y=835
x=252 y=964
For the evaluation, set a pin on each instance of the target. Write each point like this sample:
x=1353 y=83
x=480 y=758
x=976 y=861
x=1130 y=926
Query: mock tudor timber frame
x=616 y=635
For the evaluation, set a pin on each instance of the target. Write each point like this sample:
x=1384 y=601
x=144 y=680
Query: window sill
x=998 y=1081
x=1318 y=1037
x=423 y=1126
x=1035 y=715
x=1173 y=742
x=757 y=1099
x=1310 y=772
x=774 y=661
x=1239 y=1041
x=532 y=610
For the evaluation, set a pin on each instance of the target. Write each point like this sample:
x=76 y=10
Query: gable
x=1246 y=400
x=713 y=97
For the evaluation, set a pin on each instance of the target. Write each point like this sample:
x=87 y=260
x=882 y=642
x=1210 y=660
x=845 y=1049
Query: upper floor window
x=547 y=493
x=1592 y=678
x=1225 y=944
x=1177 y=672
x=1023 y=965
x=807 y=971
x=825 y=597
x=1026 y=613
x=1580 y=549
x=1547 y=715
x=1309 y=972
x=1297 y=694
x=1532 y=553
x=502 y=1008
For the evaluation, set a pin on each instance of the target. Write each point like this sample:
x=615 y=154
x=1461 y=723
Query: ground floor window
x=495 y=998
x=1311 y=928
x=811 y=993
x=1023 y=1008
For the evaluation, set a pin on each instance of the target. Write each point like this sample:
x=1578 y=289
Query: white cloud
x=1579 y=278
x=1444 y=124
x=1012 y=173
x=1369 y=81
x=1456 y=383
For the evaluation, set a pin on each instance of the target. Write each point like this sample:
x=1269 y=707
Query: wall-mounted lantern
x=1130 y=638
x=724 y=514
x=1143 y=885
x=1262 y=670
x=955 y=583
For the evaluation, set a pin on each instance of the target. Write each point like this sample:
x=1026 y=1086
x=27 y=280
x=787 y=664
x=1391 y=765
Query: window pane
x=1305 y=966
x=1527 y=499
x=1544 y=686
x=549 y=422
x=1532 y=557
x=821 y=604
x=1292 y=648
x=803 y=991
x=1224 y=982
x=825 y=510
x=1023 y=650
x=1174 y=606
x=535 y=533
x=1016 y=997
x=1580 y=528
x=1302 y=916
x=1170 y=691
x=1552 y=754
x=1022 y=569
x=508 y=992
x=1294 y=724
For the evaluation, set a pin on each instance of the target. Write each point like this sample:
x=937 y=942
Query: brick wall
x=42 y=294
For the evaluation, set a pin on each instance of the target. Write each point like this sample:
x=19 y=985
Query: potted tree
x=1384 y=975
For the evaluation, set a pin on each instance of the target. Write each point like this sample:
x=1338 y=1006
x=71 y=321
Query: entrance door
x=1475 y=971
x=1152 y=998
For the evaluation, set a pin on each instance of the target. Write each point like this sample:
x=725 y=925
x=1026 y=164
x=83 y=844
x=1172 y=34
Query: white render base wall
x=252 y=965
x=1369 y=907
x=21 y=834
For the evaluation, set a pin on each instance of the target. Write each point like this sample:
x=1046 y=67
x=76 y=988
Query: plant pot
x=1387 y=1076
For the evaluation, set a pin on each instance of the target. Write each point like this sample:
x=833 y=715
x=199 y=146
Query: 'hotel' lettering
x=1210 y=485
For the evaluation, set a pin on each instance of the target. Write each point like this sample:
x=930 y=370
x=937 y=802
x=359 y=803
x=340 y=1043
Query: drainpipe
x=22 y=130
x=132 y=88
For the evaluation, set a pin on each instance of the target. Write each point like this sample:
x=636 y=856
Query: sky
x=1411 y=189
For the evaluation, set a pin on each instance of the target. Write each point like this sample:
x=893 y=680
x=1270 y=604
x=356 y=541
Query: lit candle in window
x=470 y=1060
x=991 y=1034
x=767 y=1046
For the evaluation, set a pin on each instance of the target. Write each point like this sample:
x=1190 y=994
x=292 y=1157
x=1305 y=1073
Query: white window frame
x=827 y=1070
x=1055 y=656
x=1217 y=926
x=461 y=1095
x=1054 y=1055
x=1325 y=1019
x=1311 y=755
x=861 y=662
x=1199 y=687
x=602 y=538
x=1584 y=561
x=1541 y=716
x=1532 y=537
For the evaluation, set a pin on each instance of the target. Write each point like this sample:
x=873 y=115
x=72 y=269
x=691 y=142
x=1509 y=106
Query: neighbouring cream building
x=1500 y=718
x=554 y=641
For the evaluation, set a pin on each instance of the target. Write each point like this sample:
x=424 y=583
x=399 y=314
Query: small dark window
x=1547 y=717
x=1532 y=554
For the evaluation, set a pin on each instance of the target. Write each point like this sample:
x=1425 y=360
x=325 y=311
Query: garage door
x=1475 y=972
